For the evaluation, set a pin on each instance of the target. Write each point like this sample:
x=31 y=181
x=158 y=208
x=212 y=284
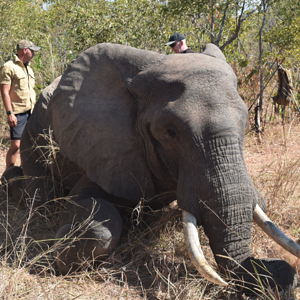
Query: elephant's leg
x=90 y=227
x=11 y=181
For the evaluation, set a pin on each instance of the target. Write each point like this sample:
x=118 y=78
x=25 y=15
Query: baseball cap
x=175 y=37
x=27 y=44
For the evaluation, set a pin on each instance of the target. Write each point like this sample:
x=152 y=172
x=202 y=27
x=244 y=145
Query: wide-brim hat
x=27 y=44
x=175 y=37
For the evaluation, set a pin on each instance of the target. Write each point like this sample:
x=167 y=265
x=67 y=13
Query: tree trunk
x=259 y=107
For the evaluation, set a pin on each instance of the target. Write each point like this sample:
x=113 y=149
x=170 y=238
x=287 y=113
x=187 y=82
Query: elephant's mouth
x=196 y=254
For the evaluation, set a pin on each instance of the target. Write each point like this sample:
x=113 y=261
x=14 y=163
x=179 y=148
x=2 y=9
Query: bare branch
x=223 y=24
x=241 y=19
x=242 y=47
x=196 y=21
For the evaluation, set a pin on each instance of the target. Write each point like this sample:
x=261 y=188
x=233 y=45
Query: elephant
x=133 y=124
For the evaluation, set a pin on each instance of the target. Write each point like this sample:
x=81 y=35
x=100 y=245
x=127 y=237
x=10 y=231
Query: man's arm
x=11 y=119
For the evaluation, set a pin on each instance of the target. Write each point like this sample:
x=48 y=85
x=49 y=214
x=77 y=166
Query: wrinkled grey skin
x=136 y=124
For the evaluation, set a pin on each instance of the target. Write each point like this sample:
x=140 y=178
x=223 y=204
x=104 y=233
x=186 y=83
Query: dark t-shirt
x=188 y=50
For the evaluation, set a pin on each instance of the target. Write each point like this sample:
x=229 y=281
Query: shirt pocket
x=31 y=80
x=20 y=81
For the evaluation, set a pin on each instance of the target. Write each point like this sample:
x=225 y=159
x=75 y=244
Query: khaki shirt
x=22 y=94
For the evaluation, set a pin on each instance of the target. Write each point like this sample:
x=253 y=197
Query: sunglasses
x=173 y=45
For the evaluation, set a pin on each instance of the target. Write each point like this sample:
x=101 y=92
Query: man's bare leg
x=12 y=153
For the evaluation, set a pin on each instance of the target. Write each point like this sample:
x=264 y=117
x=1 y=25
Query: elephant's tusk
x=262 y=220
x=195 y=252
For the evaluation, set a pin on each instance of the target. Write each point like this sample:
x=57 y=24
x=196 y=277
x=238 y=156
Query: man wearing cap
x=18 y=95
x=178 y=44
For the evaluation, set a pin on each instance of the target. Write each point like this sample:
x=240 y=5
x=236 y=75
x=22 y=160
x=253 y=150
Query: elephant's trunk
x=221 y=196
x=223 y=203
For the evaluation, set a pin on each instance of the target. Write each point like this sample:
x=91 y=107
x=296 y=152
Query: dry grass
x=151 y=261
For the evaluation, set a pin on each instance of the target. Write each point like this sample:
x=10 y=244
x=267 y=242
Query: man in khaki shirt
x=17 y=91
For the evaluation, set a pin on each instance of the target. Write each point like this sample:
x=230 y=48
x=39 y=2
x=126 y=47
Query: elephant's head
x=141 y=123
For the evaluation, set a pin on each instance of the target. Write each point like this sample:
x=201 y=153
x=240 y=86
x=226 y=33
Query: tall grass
x=151 y=261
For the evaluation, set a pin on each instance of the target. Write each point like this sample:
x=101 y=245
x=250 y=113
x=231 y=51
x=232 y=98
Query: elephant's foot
x=256 y=274
x=95 y=230
x=11 y=181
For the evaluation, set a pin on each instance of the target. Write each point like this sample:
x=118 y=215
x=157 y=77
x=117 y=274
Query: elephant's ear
x=214 y=51
x=93 y=115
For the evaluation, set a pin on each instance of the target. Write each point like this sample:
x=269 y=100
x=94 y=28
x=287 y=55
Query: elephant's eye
x=171 y=133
